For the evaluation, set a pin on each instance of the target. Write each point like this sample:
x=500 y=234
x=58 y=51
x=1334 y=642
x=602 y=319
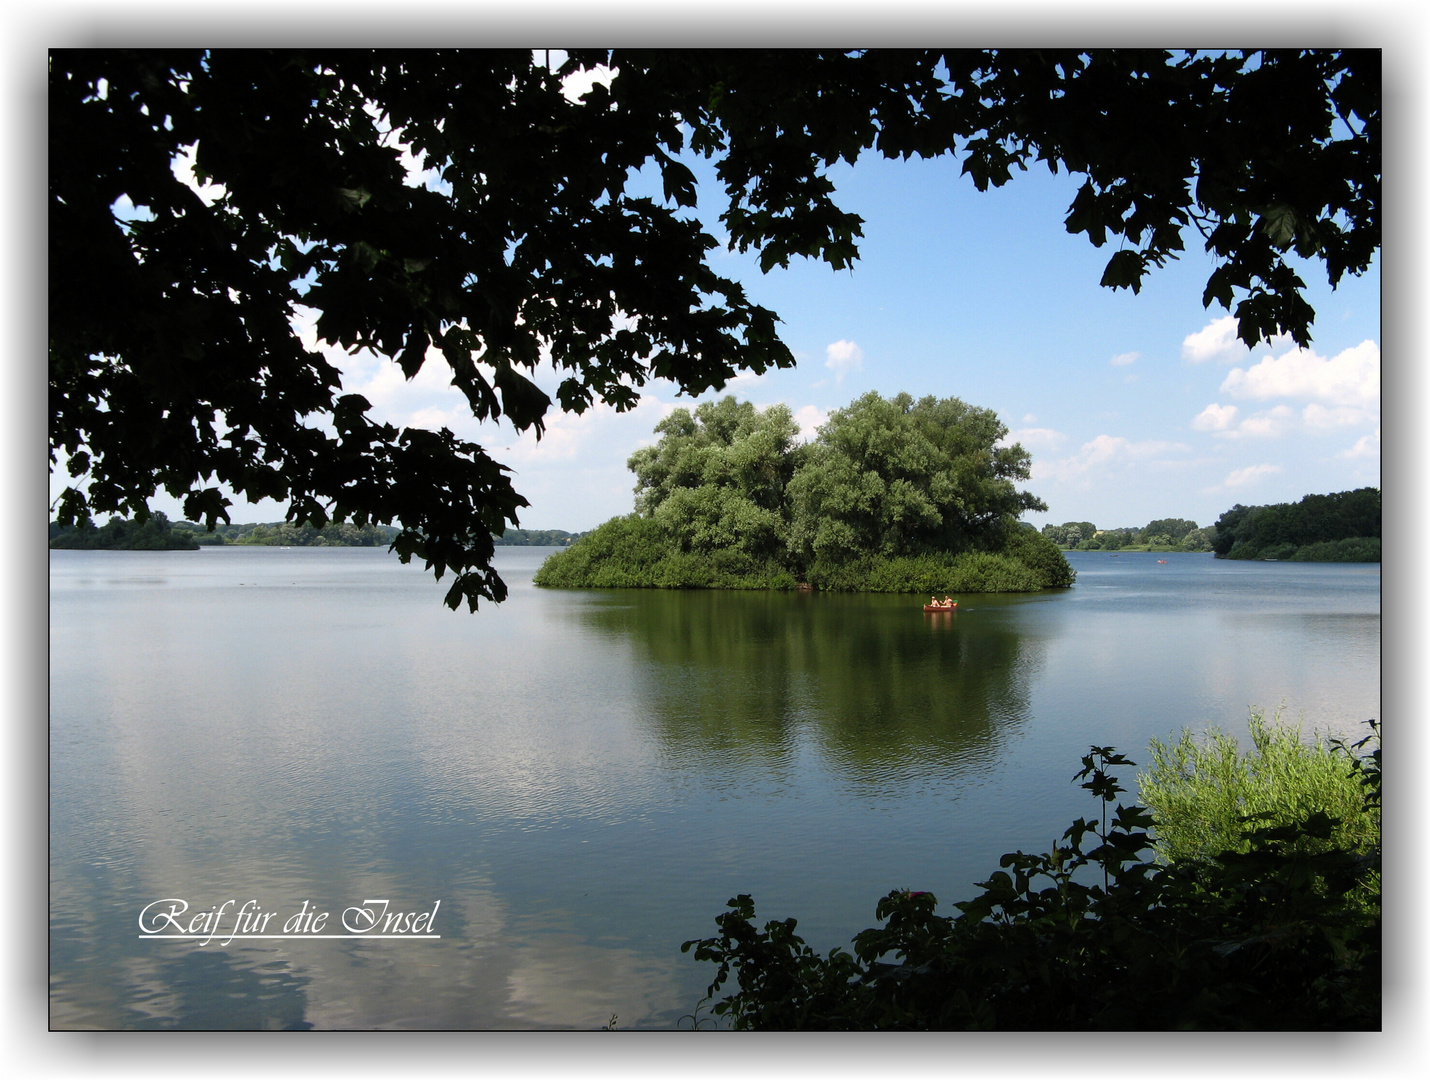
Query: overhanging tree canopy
x=174 y=363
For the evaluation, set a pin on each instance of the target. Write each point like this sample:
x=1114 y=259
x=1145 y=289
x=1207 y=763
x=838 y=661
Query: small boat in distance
x=1161 y=560
x=942 y=607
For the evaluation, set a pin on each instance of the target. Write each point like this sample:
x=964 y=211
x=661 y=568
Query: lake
x=577 y=781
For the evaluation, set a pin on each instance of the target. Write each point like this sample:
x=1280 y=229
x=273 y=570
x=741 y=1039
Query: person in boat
x=948 y=601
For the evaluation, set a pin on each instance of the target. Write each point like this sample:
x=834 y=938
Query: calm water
x=583 y=778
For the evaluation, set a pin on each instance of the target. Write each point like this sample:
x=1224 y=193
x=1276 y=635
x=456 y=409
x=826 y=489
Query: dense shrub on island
x=1271 y=925
x=893 y=495
x=1340 y=527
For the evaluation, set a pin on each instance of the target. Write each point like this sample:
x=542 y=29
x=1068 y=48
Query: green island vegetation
x=1246 y=898
x=1341 y=527
x=894 y=495
x=1163 y=534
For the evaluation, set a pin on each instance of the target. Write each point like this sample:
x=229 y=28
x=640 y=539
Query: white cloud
x=1214 y=418
x=1352 y=377
x=1034 y=438
x=744 y=380
x=1218 y=341
x=1250 y=474
x=1367 y=446
x=1104 y=454
x=809 y=418
x=1029 y=418
x=842 y=358
x=598 y=434
x=1320 y=418
x=1268 y=424
x=1123 y=359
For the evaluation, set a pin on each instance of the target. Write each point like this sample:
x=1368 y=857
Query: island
x=893 y=495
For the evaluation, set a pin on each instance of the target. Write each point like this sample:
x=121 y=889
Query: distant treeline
x=1163 y=534
x=287 y=534
x=536 y=538
x=161 y=534
x=1342 y=527
x=158 y=533
x=121 y=534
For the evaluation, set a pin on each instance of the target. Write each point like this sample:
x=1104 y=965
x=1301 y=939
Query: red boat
x=942 y=607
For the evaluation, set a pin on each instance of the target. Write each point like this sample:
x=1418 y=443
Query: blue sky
x=1133 y=407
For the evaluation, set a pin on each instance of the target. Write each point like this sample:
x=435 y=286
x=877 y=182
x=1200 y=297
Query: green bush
x=970 y=572
x=633 y=552
x=1202 y=792
x=1041 y=556
x=621 y=553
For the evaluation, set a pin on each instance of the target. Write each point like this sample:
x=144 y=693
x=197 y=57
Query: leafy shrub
x=633 y=553
x=1269 y=937
x=1040 y=555
x=969 y=572
x=1277 y=552
x=1202 y=792
x=620 y=553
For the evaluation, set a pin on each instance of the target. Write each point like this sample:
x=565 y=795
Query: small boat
x=1161 y=560
x=942 y=607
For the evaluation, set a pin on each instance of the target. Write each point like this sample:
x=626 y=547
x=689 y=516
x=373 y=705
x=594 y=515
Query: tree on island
x=174 y=363
x=893 y=495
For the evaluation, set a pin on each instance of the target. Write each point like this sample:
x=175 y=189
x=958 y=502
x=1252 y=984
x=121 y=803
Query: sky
x=1133 y=407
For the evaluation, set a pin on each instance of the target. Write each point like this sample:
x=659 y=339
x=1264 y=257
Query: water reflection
x=884 y=692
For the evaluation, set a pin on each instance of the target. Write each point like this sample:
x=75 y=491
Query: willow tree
x=893 y=477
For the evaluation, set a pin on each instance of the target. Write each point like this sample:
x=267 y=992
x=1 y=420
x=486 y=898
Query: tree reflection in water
x=884 y=693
